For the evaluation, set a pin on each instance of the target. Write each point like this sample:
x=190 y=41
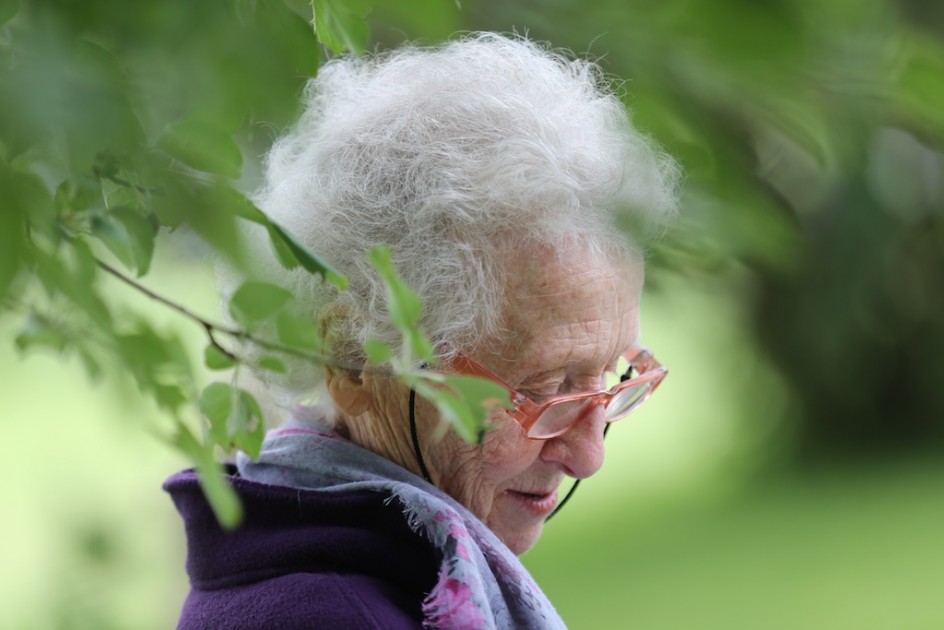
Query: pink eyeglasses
x=557 y=415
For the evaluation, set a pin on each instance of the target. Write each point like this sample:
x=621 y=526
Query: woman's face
x=567 y=323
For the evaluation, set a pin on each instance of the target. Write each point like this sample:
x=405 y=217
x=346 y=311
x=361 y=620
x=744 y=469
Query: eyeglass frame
x=527 y=412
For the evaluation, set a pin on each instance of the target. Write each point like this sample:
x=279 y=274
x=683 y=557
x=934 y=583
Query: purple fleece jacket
x=302 y=559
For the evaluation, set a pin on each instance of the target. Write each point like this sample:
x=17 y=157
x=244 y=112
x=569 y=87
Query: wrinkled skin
x=566 y=323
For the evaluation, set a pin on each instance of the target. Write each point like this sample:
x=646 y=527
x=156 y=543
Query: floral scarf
x=481 y=583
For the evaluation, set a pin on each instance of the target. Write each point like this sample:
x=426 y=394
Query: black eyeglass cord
x=573 y=488
x=416 y=439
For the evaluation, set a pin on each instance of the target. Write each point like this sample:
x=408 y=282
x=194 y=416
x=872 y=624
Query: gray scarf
x=481 y=583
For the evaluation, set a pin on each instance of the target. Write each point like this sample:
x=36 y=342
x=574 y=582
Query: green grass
x=857 y=547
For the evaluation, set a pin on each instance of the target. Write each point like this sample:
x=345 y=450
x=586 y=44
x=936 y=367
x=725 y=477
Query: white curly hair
x=452 y=154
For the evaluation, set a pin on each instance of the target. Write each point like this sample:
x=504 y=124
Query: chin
x=518 y=518
x=519 y=541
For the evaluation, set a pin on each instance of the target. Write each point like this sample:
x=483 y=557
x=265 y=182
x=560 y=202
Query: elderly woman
x=498 y=172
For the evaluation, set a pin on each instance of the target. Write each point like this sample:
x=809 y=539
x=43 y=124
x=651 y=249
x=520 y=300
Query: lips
x=537 y=503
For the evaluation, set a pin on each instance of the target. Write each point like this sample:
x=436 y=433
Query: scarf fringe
x=480 y=583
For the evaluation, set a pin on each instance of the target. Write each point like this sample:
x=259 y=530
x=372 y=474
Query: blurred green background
x=790 y=471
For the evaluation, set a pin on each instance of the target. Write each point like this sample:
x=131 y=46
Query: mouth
x=539 y=504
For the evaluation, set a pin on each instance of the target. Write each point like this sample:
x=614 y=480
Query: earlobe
x=348 y=392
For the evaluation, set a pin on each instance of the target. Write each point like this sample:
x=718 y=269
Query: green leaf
x=283 y=253
x=246 y=428
x=296 y=332
x=216 y=403
x=12 y=244
x=169 y=397
x=114 y=236
x=204 y=146
x=920 y=86
x=216 y=359
x=92 y=105
x=118 y=195
x=128 y=235
x=420 y=345
x=91 y=364
x=288 y=251
x=305 y=257
x=255 y=301
x=38 y=333
x=140 y=237
x=24 y=199
x=272 y=365
x=342 y=24
x=85 y=263
x=8 y=9
x=405 y=307
x=478 y=397
x=159 y=364
x=78 y=194
x=241 y=206
x=377 y=351
x=105 y=167
x=59 y=279
x=464 y=402
x=210 y=208
x=235 y=418
x=220 y=495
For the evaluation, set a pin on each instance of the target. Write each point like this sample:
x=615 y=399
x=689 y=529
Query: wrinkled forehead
x=570 y=302
x=551 y=274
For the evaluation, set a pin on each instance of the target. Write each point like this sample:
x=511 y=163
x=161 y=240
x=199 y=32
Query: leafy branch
x=212 y=328
x=90 y=161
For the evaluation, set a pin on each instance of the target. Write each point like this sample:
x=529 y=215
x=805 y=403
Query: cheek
x=475 y=474
x=507 y=452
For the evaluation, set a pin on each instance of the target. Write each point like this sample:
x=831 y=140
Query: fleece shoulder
x=303 y=600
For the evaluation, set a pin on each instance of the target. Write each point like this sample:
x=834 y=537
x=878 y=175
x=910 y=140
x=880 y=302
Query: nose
x=580 y=451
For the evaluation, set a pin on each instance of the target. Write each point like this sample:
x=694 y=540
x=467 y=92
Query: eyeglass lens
x=559 y=417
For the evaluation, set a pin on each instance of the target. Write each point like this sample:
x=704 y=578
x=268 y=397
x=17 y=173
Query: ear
x=347 y=391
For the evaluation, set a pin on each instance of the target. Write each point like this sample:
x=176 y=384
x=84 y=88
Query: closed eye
x=540 y=396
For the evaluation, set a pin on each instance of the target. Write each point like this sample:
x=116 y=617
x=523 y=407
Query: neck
x=384 y=430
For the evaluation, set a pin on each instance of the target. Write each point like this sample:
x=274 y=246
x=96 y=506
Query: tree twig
x=123 y=182
x=212 y=329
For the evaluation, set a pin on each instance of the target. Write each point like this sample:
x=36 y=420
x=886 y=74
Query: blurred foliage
x=121 y=122
x=811 y=133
